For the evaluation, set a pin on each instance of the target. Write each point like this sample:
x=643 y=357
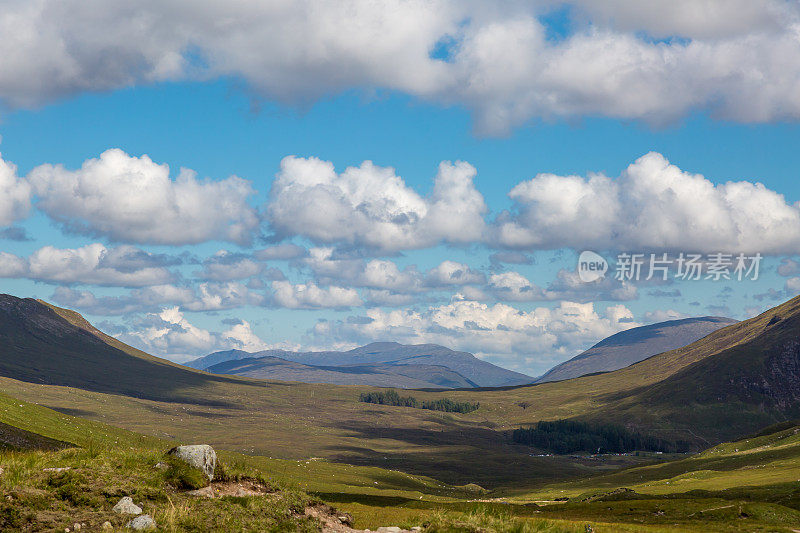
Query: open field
x=752 y=483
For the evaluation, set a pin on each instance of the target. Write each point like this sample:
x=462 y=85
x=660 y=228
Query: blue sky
x=470 y=265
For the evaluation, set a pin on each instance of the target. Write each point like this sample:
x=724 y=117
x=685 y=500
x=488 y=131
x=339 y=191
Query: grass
x=751 y=482
x=36 y=499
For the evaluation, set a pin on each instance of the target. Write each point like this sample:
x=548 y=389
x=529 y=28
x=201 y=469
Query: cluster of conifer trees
x=443 y=404
x=569 y=436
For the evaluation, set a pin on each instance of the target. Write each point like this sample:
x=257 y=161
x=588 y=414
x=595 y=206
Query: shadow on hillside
x=71 y=411
x=455 y=455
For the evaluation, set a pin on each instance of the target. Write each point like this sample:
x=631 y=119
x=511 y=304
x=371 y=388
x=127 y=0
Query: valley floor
x=748 y=485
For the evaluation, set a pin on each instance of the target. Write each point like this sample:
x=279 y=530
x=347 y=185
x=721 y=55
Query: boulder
x=126 y=506
x=200 y=456
x=142 y=523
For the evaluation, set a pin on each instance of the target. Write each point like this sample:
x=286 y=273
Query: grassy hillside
x=44 y=344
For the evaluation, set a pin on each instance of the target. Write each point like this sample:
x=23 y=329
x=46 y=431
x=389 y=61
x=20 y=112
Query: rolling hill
x=409 y=376
x=633 y=345
x=480 y=373
x=45 y=344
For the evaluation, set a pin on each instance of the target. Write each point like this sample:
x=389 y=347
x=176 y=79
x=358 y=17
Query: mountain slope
x=634 y=345
x=377 y=375
x=482 y=373
x=43 y=344
x=745 y=385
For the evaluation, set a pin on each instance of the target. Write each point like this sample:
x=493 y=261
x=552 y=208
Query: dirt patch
x=331 y=520
x=242 y=488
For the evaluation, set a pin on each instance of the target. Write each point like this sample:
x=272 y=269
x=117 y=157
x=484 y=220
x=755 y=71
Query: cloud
x=93 y=264
x=15 y=233
x=211 y=296
x=133 y=199
x=688 y=18
x=514 y=287
x=15 y=194
x=226 y=266
x=655 y=62
x=170 y=334
x=223 y=295
x=662 y=315
x=280 y=252
x=528 y=340
x=652 y=206
x=371 y=206
x=788 y=267
x=311 y=296
x=453 y=273
x=512 y=257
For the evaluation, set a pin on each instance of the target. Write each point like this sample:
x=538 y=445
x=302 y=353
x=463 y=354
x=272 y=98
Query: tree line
x=569 y=436
x=443 y=404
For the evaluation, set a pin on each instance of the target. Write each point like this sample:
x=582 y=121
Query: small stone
x=126 y=506
x=66 y=530
x=389 y=529
x=107 y=526
x=416 y=528
x=142 y=523
x=161 y=465
x=205 y=492
x=60 y=469
x=76 y=527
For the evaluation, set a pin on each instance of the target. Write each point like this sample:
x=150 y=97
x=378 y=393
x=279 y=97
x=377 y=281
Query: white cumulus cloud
x=311 y=296
x=93 y=264
x=526 y=340
x=653 y=61
x=372 y=206
x=652 y=206
x=15 y=194
x=133 y=199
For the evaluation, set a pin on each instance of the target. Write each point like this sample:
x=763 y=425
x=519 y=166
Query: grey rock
x=126 y=506
x=142 y=523
x=200 y=456
x=389 y=529
x=107 y=526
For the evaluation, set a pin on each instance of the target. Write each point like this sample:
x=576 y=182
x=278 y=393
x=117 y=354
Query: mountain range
x=386 y=364
x=636 y=344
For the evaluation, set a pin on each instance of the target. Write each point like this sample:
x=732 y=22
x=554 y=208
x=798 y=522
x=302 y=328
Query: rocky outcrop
x=199 y=456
